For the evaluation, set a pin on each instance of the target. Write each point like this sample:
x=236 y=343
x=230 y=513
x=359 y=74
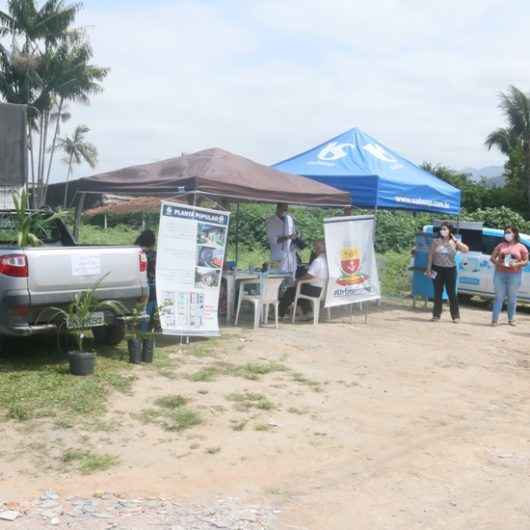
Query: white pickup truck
x=33 y=279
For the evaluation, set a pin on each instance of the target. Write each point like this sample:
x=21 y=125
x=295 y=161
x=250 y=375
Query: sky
x=268 y=79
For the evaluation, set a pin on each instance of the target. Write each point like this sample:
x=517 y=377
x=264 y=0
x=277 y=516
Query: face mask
x=444 y=232
x=508 y=236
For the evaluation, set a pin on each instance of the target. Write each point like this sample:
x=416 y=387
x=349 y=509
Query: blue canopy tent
x=376 y=176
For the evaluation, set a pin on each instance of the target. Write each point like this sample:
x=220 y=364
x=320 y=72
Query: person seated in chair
x=317 y=274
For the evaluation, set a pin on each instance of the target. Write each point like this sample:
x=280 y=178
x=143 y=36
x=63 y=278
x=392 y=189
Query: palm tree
x=515 y=138
x=48 y=65
x=77 y=151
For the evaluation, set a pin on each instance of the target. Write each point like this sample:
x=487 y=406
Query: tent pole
x=237 y=233
x=78 y=213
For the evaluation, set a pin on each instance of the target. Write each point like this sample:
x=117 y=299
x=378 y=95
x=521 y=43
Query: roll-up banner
x=13 y=149
x=351 y=260
x=189 y=265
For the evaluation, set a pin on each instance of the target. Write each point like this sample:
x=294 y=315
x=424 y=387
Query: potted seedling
x=82 y=314
x=135 y=335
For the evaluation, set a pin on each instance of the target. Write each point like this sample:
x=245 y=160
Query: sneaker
x=435 y=319
x=512 y=323
x=456 y=321
x=493 y=323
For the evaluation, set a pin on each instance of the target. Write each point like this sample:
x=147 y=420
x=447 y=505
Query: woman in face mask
x=509 y=258
x=441 y=268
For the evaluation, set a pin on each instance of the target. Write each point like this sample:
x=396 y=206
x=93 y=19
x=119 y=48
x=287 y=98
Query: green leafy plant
x=77 y=316
x=30 y=223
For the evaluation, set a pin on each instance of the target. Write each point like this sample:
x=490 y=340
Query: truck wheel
x=109 y=335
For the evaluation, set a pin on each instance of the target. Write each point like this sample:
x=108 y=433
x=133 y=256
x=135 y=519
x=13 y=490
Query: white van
x=475 y=270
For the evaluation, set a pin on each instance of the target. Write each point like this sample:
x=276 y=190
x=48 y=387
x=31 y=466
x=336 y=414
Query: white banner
x=350 y=254
x=189 y=265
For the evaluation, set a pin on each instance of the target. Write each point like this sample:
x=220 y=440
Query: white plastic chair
x=268 y=295
x=315 y=302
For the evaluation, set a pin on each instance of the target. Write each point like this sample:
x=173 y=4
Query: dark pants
x=445 y=277
x=288 y=298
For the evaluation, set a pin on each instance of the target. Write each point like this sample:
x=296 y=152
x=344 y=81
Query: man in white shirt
x=317 y=274
x=281 y=232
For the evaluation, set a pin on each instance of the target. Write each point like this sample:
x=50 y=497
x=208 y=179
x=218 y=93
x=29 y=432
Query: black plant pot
x=148 y=350
x=82 y=363
x=135 y=351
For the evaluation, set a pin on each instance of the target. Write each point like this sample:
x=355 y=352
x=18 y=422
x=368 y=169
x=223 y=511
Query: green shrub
x=394 y=273
x=499 y=218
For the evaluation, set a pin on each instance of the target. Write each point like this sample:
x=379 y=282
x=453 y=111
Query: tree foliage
x=45 y=62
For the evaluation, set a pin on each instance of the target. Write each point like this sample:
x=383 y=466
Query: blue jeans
x=147 y=324
x=506 y=286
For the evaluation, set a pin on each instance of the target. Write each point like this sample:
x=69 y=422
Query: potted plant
x=30 y=224
x=133 y=332
x=83 y=313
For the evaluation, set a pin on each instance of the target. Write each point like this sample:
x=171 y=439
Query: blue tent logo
x=377 y=151
x=334 y=151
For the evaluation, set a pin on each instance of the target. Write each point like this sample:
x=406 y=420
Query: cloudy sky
x=270 y=78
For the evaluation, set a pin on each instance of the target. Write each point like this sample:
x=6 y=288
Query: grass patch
x=303 y=380
x=294 y=410
x=205 y=375
x=88 y=462
x=171 y=401
x=171 y=414
x=181 y=419
x=35 y=382
x=255 y=371
x=250 y=400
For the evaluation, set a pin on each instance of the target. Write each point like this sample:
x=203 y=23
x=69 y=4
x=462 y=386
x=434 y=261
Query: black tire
x=109 y=335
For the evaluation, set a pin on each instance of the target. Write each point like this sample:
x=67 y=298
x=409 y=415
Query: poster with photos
x=189 y=266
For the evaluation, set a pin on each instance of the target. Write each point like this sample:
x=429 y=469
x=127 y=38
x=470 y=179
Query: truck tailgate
x=55 y=273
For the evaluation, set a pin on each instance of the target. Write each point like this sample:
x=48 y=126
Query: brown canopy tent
x=215 y=173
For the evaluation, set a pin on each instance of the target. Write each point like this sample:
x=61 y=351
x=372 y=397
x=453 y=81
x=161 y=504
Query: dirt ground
x=399 y=423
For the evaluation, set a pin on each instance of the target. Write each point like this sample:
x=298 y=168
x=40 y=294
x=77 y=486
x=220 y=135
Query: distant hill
x=492 y=174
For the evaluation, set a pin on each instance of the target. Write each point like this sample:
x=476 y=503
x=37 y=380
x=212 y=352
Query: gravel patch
x=108 y=511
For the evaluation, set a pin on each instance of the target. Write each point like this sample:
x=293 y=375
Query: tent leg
x=78 y=214
x=237 y=233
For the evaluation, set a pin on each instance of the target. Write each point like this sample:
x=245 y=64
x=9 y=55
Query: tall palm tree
x=77 y=151
x=49 y=64
x=516 y=136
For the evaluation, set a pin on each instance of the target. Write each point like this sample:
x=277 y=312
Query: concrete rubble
x=108 y=511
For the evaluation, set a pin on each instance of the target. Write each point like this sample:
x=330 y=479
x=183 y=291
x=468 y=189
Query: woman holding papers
x=509 y=258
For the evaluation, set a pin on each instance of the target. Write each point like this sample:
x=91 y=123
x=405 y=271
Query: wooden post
x=78 y=214
x=237 y=233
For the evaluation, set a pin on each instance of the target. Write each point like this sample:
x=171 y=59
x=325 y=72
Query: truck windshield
x=48 y=233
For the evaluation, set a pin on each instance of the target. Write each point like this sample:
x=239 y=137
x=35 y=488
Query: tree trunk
x=54 y=142
x=68 y=180
x=43 y=187
x=78 y=215
x=526 y=149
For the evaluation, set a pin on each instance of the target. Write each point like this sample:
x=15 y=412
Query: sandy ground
x=396 y=424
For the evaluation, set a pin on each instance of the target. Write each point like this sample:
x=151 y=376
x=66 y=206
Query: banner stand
x=353 y=276
x=189 y=267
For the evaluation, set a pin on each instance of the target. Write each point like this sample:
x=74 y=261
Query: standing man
x=281 y=232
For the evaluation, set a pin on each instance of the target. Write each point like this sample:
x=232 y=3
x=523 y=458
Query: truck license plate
x=93 y=321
